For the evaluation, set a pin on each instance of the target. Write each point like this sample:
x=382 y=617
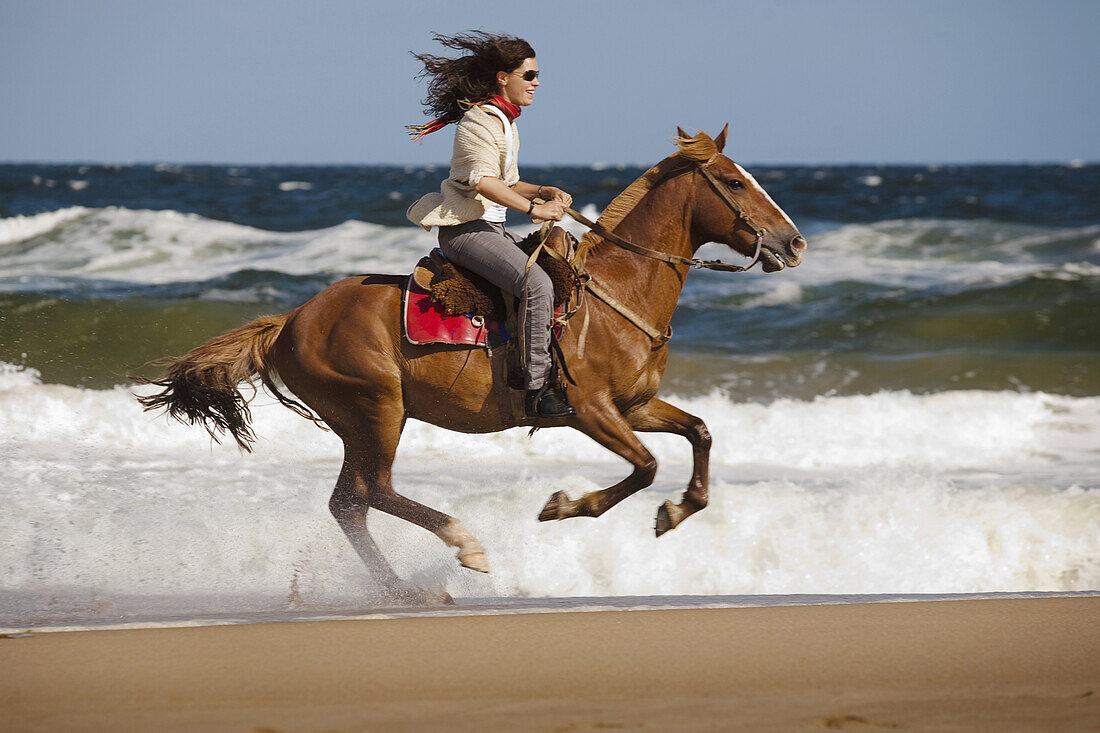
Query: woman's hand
x=553 y=193
x=551 y=210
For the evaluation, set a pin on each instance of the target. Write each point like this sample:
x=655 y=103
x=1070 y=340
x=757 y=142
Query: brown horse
x=343 y=355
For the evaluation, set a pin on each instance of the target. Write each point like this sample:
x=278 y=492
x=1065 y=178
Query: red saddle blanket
x=425 y=322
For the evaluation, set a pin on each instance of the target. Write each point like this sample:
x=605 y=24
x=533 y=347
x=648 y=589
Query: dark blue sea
x=918 y=277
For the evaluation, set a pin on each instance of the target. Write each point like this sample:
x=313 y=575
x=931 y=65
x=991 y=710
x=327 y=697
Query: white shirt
x=498 y=213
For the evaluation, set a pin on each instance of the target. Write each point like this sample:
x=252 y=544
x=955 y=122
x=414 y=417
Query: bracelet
x=531 y=208
x=540 y=193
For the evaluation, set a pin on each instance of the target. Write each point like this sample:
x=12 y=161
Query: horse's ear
x=720 y=141
x=681 y=133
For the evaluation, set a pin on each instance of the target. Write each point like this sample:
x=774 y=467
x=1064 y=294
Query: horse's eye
x=735 y=184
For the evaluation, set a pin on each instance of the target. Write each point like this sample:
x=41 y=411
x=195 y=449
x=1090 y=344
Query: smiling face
x=514 y=87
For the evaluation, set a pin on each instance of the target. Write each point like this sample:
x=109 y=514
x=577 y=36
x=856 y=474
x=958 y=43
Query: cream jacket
x=479 y=151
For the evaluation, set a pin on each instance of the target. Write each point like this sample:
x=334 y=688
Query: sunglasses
x=530 y=75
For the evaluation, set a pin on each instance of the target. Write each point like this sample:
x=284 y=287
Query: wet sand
x=999 y=665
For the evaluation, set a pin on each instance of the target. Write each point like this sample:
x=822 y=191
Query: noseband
x=724 y=194
x=758 y=231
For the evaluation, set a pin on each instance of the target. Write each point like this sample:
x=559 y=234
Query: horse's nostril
x=798 y=245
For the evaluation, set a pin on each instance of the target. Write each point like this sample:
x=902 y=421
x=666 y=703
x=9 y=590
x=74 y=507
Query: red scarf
x=510 y=111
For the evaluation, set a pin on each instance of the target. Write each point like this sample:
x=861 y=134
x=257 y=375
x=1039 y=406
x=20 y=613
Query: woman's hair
x=455 y=84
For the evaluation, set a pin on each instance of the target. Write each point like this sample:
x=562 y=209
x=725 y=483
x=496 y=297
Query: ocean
x=913 y=411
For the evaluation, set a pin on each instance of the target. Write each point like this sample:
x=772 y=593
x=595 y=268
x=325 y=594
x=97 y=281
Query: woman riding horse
x=499 y=75
x=344 y=356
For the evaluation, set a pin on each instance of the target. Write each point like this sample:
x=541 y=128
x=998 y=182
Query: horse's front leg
x=657 y=416
x=604 y=424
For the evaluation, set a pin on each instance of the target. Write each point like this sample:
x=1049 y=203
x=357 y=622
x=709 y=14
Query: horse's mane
x=701 y=149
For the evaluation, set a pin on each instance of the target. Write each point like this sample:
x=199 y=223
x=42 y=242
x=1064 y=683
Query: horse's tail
x=201 y=385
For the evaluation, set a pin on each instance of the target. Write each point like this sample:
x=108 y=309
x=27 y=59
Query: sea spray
x=885 y=493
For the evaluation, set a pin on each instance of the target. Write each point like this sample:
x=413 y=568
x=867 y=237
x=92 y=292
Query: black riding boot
x=546 y=402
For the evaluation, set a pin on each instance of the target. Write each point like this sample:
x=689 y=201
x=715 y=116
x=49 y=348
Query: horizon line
x=598 y=165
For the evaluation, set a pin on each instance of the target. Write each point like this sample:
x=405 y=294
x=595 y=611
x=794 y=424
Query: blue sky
x=799 y=81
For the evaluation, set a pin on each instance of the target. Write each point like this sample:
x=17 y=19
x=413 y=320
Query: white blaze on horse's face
x=752 y=184
x=782 y=244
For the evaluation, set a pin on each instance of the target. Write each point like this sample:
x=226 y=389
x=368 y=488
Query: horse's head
x=730 y=207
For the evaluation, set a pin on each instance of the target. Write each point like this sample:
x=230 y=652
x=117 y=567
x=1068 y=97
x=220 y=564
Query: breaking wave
x=884 y=493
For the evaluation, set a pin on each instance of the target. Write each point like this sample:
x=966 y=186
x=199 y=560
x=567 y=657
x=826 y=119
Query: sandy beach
x=998 y=664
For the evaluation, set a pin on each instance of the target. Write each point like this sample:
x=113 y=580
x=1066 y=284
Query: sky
x=333 y=81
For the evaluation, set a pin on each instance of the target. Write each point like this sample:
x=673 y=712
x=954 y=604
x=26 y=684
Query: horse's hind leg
x=349 y=507
x=369 y=454
x=453 y=532
x=606 y=426
x=657 y=416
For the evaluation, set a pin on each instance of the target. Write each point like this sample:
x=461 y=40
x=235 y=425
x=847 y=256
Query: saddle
x=447 y=304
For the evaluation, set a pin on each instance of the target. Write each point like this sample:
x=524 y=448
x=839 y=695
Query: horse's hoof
x=475 y=561
x=668 y=516
x=436 y=598
x=411 y=595
x=555 y=507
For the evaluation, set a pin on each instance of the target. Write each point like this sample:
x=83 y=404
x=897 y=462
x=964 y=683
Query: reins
x=585 y=282
x=653 y=254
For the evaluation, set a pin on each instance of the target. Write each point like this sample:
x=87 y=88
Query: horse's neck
x=661 y=221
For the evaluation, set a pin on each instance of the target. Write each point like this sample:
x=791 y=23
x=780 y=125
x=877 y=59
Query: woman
x=483 y=92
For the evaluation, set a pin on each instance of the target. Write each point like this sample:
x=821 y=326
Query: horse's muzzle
x=781 y=256
x=792 y=255
x=797 y=247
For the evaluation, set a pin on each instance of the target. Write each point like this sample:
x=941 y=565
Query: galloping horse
x=343 y=355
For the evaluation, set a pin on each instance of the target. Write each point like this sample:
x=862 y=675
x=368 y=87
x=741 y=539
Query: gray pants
x=490 y=250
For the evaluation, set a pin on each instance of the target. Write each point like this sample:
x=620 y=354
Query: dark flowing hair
x=454 y=84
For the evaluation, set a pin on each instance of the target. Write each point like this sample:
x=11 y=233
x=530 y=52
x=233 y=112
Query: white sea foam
x=917 y=253
x=141 y=246
x=948 y=431
x=17 y=229
x=144 y=246
x=885 y=493
x=785 y=292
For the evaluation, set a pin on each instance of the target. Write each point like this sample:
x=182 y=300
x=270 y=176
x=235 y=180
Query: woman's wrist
x=531 y=207
x=539 y=195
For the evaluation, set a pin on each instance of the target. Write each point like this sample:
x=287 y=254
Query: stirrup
x=546 y=402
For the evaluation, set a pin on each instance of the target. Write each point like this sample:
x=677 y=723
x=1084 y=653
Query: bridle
x=585 y=282
x=723 y=193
